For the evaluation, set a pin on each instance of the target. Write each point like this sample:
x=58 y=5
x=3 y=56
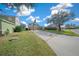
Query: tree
x=23 y=27
x=19 y=28
x=59 y=18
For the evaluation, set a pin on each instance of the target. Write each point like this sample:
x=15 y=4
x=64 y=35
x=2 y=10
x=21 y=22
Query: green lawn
x=64 y=32
x=26 y=44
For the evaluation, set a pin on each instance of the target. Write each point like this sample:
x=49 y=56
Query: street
x=62 y=45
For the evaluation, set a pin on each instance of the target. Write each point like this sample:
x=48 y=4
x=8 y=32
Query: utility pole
x=34 y=24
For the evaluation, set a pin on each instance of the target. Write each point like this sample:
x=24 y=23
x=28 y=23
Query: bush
x=50 y=28
x=18 y=29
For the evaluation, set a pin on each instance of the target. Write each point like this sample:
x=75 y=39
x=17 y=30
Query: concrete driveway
x=62 y=45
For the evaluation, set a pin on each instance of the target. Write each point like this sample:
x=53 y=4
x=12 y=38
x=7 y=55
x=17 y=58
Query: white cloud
x=32 y=10
x=25 y=11
x=54 y=12
x=30 y=18
x=7 y=8
x=23 y=22
x=10 y=6
x=10 y=9
x=38 y=17
x=18 y=14
x=46 y=17
x=69 y=5
x=33 y=18
x=14 y=11
x=62 y=5
x=47 y=24
x=76 y=19
x=38 y=21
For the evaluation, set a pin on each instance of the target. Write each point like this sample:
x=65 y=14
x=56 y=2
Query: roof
x=8 y=18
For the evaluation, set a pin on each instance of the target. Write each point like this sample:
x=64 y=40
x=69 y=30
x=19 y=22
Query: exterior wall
x=0 y=28
x=7 y=25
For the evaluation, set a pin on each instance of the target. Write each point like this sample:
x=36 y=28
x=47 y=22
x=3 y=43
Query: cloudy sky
x=40 y=12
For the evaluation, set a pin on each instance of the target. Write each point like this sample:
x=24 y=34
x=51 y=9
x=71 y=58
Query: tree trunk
x=59 y=28
x=33 y=26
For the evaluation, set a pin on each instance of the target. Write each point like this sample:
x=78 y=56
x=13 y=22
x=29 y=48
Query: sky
x=40 y=11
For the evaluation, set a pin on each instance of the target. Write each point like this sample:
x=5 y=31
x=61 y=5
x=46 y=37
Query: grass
x=64 y=32
x=27 y=44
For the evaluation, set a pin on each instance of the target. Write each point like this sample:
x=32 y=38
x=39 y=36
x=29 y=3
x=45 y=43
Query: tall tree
x=59 y=18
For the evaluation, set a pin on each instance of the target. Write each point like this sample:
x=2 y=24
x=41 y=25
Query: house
x=7 y=23
x=50 y=26
x=35 y=27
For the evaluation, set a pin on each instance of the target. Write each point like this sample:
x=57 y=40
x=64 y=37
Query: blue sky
x=41 y=11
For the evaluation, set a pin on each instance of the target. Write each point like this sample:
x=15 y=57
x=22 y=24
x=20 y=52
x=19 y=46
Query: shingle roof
x=8 y=18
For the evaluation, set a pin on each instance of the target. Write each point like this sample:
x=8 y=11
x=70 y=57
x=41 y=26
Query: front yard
x=24 y=44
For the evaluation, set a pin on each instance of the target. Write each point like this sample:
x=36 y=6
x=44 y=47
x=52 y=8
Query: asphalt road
x=61 y=44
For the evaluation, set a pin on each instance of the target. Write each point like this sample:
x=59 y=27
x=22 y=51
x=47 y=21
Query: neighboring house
x=50 y=26
x=35 y=27
x=7 y=23
x=63 y=26
x=66 y=26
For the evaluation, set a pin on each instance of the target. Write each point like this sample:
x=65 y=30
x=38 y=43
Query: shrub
x=54 y=28
x=18 y=29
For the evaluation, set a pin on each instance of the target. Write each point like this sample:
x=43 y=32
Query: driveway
x=62 y=45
